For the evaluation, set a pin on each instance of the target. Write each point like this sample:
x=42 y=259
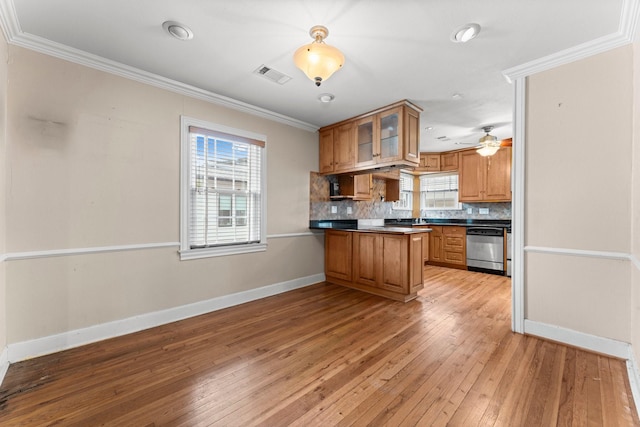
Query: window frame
x=451 y=208
x=186 y=252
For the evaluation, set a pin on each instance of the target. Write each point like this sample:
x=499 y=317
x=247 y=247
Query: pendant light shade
x=318 y=60
x=489 y=144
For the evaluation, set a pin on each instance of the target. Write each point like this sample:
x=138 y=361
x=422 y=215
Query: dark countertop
x=352 y=224
x=394 y=230
x=336 y=224
x=503 y=223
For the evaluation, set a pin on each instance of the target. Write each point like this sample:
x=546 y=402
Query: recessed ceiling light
x=429 y=127
x=178 y=30
x=456 y=96
x=465 y=33
x=326 y=97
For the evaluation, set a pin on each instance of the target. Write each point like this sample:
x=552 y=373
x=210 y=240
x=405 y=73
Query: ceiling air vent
x=271 y=74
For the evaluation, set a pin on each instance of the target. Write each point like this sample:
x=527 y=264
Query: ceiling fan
x=487 y=145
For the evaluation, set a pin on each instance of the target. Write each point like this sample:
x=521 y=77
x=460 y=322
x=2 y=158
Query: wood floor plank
x=327 y=355
x=568 y=392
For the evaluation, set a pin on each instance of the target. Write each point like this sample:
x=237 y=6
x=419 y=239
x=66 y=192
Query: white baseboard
x=4 y=363
x=590 y=342
x=40 y=346
x=634 y=379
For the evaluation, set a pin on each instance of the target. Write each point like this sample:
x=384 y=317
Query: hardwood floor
x=329 y=356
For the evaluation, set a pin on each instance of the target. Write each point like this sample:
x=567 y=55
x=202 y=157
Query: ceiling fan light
x=318 y=60
x=489 y=143
x=487 y=150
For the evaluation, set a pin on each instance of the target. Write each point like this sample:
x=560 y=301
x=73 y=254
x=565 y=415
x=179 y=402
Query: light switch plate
x=334 y=209
x=349 y=210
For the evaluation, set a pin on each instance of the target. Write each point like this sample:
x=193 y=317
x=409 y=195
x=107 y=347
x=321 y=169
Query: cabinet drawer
x=454 y=230
x=454 y=258
x=454 y=243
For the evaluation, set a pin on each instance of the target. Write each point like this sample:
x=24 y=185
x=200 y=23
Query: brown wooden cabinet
x=447 y=246
x=337 y=254
x=454 y=245
x=385 y=264
x=429 y=162
x=425 y=249
x=380 y=261
x=336 y=149
x=384 y=137
x=435 y=244
x=438 y=162
x=449 y=161
x=485 y=179
x=356 y=187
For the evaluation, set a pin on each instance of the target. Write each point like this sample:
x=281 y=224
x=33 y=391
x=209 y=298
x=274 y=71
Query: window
x=222 y=193
x=406 y=193
x=439 y=191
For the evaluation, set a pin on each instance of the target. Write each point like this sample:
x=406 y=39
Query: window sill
x=187 y=254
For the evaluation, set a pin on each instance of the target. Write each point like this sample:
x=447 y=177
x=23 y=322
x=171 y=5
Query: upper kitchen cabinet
x=429 y=162
x=485 y=179
x=356 y=187
x=438 y=162
x=449 y=161
x=336 y=149
x=385 y=137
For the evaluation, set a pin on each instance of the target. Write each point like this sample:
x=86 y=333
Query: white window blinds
x=222 y=191
x=439 y=191
x=439 y=183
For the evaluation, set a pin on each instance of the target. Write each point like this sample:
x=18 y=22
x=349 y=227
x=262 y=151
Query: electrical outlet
x=469 y=211
x=334 y=209
x=483 y=211
x=349 y=210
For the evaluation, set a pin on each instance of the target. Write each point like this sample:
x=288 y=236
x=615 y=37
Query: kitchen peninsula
x=386 y=261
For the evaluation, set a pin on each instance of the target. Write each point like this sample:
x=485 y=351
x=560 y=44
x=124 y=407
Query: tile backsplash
x=320 y=205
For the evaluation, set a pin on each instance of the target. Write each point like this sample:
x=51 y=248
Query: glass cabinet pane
x=365 y=142
x=389 y=136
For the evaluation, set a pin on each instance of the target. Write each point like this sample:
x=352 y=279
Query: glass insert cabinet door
x=389 y=134
x=378 y=138
x=365 y=154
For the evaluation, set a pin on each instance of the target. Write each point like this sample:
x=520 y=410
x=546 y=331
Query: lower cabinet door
x=365 y=258
x=337 y=254
x=394 y=260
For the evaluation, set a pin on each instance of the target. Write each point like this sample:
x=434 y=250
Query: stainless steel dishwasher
x=485 y=249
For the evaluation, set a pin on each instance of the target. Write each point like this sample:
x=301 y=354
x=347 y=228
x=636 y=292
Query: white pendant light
x=318 y=60
x=489 y=144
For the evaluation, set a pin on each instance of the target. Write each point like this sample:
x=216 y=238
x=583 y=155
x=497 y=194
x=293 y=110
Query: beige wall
x=94 y=161
x=635 y=199
x=578 y=194
x=3 y=176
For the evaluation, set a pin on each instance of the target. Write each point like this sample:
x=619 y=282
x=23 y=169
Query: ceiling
x=394 y=50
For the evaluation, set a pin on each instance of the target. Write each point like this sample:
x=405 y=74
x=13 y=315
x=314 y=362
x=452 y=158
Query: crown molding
x=626 y=34
x=15 y=36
